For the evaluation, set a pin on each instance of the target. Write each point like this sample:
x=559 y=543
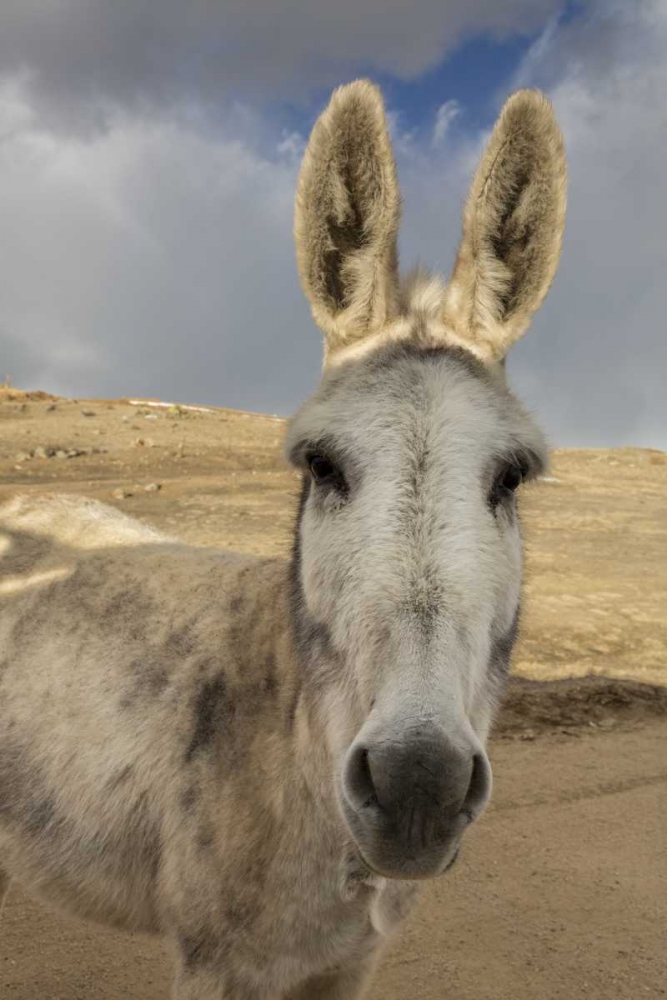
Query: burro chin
x=264 y=759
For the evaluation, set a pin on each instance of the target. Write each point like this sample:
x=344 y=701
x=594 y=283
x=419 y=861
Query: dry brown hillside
x=596 y=528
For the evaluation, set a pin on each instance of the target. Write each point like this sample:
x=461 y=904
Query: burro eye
x=506 y=483
x=511 y=478
x=322 y=469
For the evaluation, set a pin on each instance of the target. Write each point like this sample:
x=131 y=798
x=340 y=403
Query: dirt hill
x=595 y=528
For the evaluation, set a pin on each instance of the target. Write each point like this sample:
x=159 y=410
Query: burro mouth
x=408 y=804
x=388 y=852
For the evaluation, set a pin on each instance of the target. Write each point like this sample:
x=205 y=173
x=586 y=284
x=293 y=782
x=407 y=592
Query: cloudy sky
x=148 y=157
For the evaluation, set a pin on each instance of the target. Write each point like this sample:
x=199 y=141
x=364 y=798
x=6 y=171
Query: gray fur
x=260 y=759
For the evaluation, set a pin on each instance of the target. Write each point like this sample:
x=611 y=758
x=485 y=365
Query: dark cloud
x=152 y=260
x=82 y=57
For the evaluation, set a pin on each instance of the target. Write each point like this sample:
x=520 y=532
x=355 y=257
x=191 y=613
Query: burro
x=260 y=759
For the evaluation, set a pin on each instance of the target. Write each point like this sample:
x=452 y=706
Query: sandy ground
x=561 y=890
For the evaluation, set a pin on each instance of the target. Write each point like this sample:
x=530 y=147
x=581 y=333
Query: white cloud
x=598 y=355
x=593 y=365
x=445 y=115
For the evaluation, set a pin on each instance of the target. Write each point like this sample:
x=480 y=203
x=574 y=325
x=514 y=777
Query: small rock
x=121 y=494
x=61 y=454
x=51 y=407
x=153 y=487
x=88 y=413
x=42 y=452
x=23 y=456
x=125 y=419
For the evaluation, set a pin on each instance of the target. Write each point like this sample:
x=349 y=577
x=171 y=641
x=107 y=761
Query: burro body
x=263 y=760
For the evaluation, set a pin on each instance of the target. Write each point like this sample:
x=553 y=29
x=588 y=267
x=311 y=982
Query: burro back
x=262 y=760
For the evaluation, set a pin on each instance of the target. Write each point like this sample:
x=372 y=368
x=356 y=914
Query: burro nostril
x=479 y=787
x=359 y=784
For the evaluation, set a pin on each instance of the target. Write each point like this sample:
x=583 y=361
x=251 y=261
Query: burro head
x=407 y=561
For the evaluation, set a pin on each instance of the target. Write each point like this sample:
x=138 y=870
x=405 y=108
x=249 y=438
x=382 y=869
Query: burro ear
x=512 y=229
x=346 y=218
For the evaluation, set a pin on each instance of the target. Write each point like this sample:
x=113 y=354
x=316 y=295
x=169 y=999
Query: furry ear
x=346 y=218
x=512 y=229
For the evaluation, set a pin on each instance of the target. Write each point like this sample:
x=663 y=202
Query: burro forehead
x=438 y=407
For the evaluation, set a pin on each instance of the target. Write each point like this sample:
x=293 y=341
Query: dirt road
x=561 y=889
